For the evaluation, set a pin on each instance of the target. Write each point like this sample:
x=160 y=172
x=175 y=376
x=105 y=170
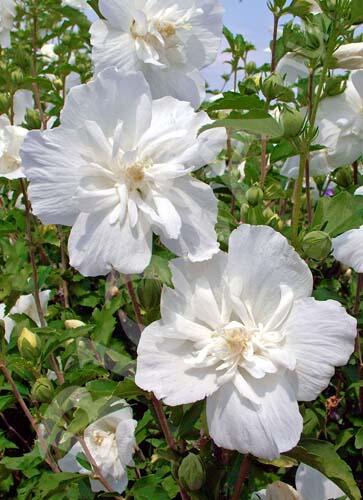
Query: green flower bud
x=254 y=196
x=32 y=119
x=344 y=177
x=17 y=77
x=149 y=291
x=317 y=245
x=250 y=68
x=42 y=390
x=4 y=103
x=272 y=86
x=29 y=345
x=71 y=324
x=191 y=473
x=292 y=122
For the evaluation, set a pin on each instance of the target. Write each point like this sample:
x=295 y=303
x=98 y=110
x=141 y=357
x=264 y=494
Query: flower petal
x=197 y=208
x=96 y=247
x=108 y=99
x=260 y=260
x=348 y=249
x=312 y=484
x=161 y=368
x=320 y=335
x=53 y=175
x=265 y=430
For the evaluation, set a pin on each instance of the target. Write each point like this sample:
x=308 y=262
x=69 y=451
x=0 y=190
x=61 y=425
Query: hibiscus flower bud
x=72 y=324
x=29 y=345
x=271 y=87
x=42 y=390
x=344 y=177
x=149 y=292
x=292 y=122
x=191 y=473
x=254 y=196
x=17 y=76
x=317 y=245
x=349 y=56
x=32 y=118
x=4 y=103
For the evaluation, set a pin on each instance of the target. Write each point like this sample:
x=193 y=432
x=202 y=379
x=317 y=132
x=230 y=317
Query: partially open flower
x=111 y=442
x=233 y=330
x=11 y=139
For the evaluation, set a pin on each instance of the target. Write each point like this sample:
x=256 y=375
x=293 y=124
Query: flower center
x=165 y=29
x=236 y=339
x=135 y=174
x=99 y=437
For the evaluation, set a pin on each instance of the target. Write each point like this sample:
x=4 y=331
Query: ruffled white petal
x=110 y=98
x=96 y=247
x=320 y=335
x=196 y=205
x=264 y=430
x=260 y=259
x=162 y=367
x=348 y=249
x=312 y=484
x=51 y=162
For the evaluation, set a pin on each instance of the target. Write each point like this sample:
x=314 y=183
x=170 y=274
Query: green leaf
x=322 y=456
x=255 y=122
x=128 y=389
x=233 y=100
x=5 y=444
x=338 y=214
x=359 y=439
x=356 y=12
x=6 y=402
x=149 y=487
x=101 y=388
x=189 y=419
x=28 y=463
x=105 y=321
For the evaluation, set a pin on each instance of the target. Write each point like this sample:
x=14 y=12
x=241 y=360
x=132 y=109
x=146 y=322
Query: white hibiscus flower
x=11 y=139
x=7 y=14
x=118 y=169
x=24 y=305
x=111 y=442
x=310 y=485
x=340 y=120
x=234 y=331
x=168 y=40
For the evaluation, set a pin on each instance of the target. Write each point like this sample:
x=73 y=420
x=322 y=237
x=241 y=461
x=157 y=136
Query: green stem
x=297 y=202
x=305 y=148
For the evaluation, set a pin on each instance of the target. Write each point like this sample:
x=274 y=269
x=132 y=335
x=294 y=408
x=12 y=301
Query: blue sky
x=251 y=18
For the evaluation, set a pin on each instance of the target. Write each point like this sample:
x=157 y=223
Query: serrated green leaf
x=255 y=122
x=322 y=456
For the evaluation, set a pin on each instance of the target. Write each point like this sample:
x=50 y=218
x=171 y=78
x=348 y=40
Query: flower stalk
x=243 y=475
